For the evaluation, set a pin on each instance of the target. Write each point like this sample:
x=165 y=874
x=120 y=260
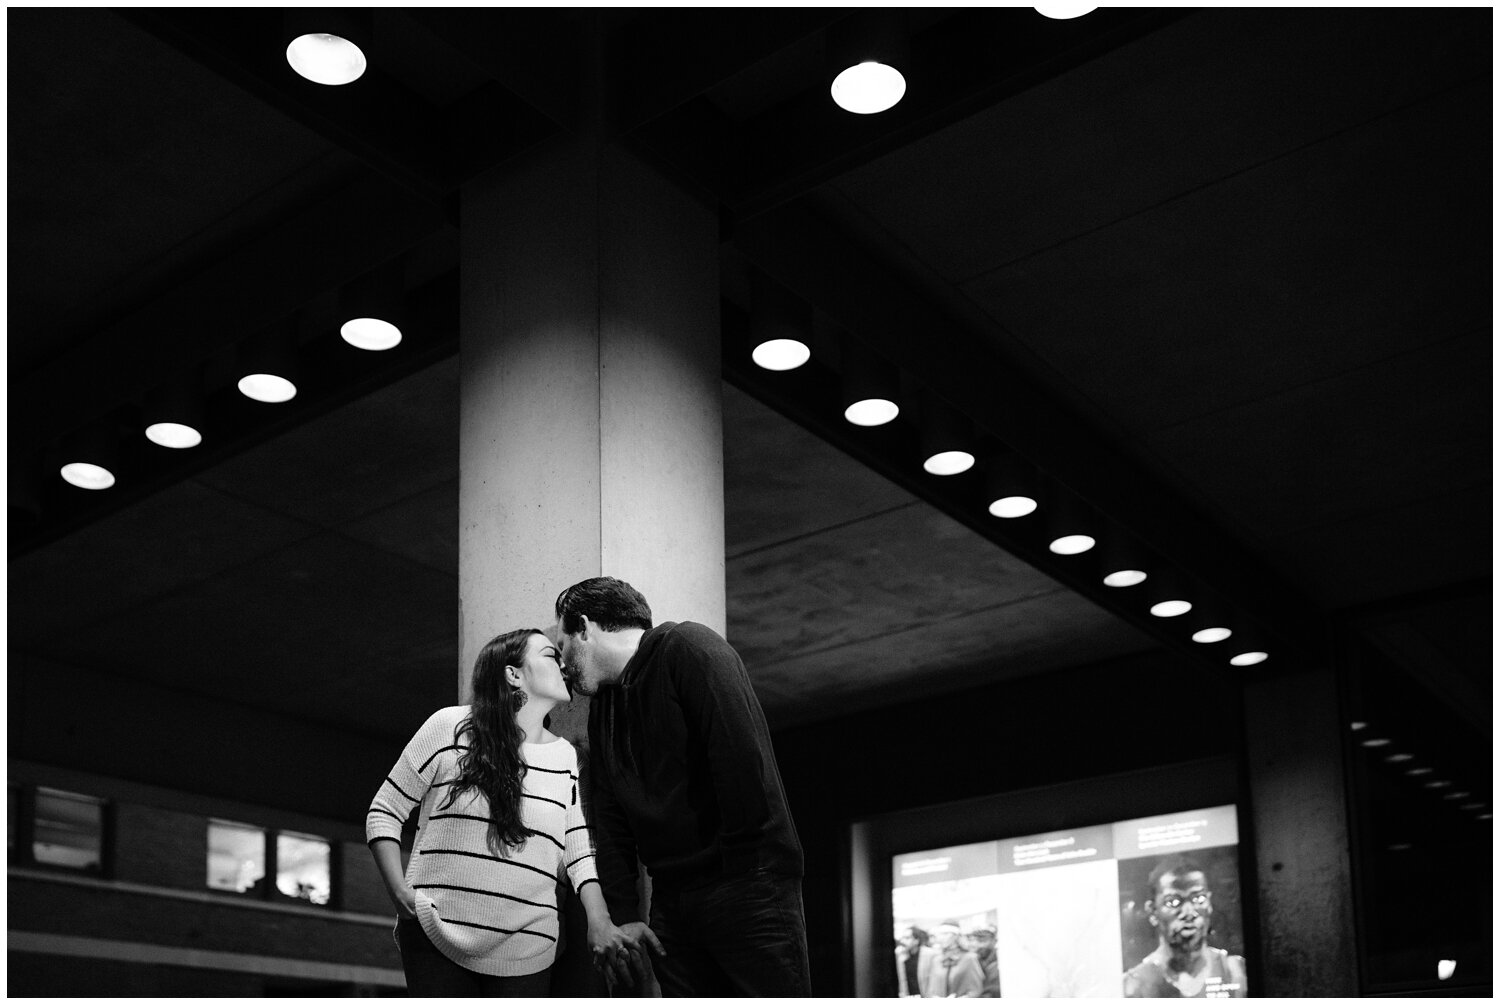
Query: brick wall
x=160 y=847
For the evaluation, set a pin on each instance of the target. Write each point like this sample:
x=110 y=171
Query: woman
x=477 y=908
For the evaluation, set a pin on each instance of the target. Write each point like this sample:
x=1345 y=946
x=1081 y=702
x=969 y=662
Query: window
x=51 y=827
x=241 y=857
x=302 y=867
x=236 y=856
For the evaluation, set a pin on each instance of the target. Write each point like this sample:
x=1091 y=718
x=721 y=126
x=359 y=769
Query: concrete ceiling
x=1237 y=262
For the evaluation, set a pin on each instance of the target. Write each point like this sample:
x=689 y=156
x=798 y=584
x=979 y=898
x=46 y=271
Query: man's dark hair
x=1179 y=865
x=610 y=603
x=920 y=934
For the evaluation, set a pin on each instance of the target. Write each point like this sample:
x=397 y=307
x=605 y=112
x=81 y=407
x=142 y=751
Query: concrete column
x=1299 y=811
x=591 y=440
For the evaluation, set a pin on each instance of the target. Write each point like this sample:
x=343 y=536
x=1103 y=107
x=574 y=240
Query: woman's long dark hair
x=492 y=761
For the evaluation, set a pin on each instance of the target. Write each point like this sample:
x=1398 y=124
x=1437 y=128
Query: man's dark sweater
x=682 y=771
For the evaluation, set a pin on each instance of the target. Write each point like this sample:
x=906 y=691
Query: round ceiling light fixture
x=1011 y=507
x=326 y=59
x=90 y=456
x=173 y=415
x=87 y=476
x=780 y=323
x=1063 y=11
x=948 y=462
x=867 y=88
x=267 y=387
x=868 y=384
x=1071 y=544
x=781 y=354
x=176 y=435
x=872 y=411
x=374 y=334
x=1125 y=577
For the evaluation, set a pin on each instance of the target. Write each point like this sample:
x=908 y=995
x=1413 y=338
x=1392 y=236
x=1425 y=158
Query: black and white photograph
x=771 y=501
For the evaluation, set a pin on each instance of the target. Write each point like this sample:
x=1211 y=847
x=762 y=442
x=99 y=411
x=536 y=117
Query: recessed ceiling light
x=872 y=412
x=176 y=435
x=267 y=387
x=1437 y=783
x=1010 y=507
x=87 y=476
x=1171 y=608
x=1418 y=771
x=948 y=462
x=1071 y=544
x=1375 y=741
x=868 y=87
x=1472 y=806
x=1398 y=847
x=1357 y=726
x=1249 y=659
x=1063 y=11
x=374 y=334
x=1398 y=758
x=1456 y=795
x=1125 y=577
x=326 y=59
x=781 y=354
x=1482 y=816
x=1211 y=634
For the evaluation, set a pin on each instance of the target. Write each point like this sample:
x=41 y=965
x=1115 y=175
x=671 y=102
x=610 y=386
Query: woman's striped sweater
x=495 y=914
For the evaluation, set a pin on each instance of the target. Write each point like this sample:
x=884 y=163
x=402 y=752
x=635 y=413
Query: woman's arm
x=387 y=852
x=398 y=797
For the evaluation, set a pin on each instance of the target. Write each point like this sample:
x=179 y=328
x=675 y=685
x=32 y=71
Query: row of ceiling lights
x=870 y=393
x=372 y=313
x=869 y=48
x=1379 y=744
x=868 y=51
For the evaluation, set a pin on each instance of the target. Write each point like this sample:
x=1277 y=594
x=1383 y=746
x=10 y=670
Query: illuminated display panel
x=1074 y=912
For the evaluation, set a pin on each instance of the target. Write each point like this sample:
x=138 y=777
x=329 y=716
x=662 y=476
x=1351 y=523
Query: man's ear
x=576 y=624
x=1150 y=908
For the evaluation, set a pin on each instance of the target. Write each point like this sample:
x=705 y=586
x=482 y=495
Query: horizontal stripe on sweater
x=491 y=858
x=452 y=746
x=486 y=820
x=392 y=781
x=503 y=931
x=483 y=893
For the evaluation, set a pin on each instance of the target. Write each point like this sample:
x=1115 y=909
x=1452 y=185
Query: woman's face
x=541 y=671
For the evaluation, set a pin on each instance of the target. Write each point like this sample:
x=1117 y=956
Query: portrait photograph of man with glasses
x=1179 y=907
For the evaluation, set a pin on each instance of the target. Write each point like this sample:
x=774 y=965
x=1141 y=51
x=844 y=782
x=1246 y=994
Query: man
x=1179 y=906
x=955 y=973
x=989 y=962
x=913 y=958
x=684 y=778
